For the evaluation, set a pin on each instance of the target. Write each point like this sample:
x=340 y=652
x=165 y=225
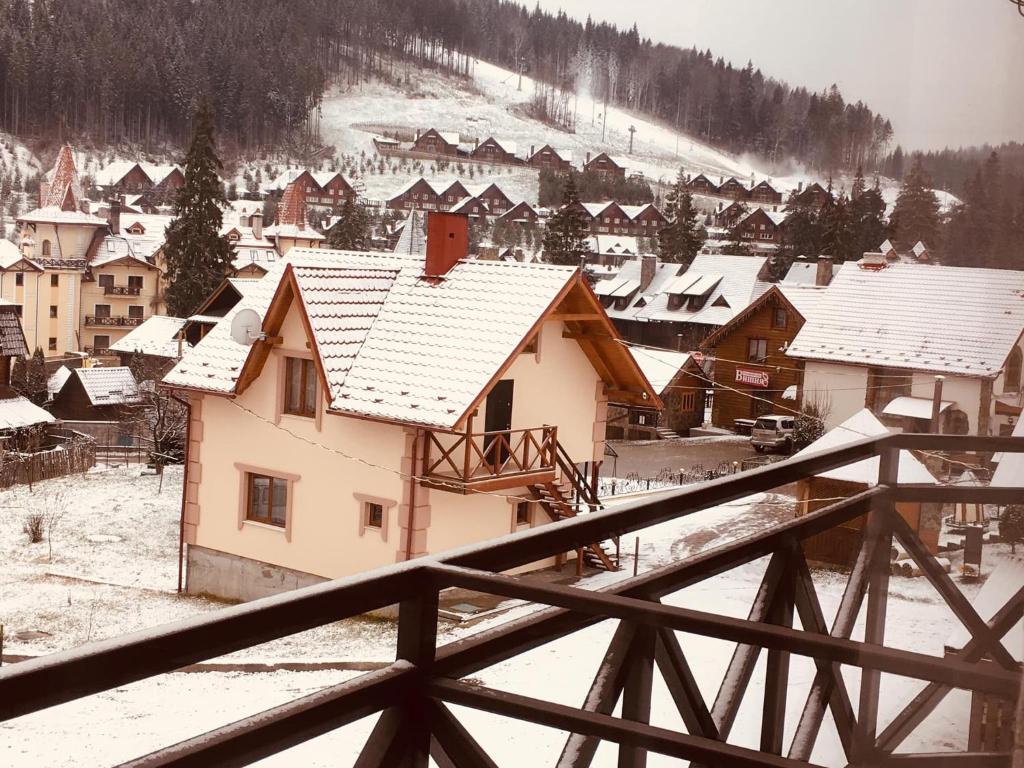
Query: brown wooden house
x=765 y=193
x=416 y=195
x=433 y=142
x=604 y=166
x=609 y=220
x=728 y=216
x=331 y=193
x=96 y=394
x=815 y=195
x=645 y=220
x=520 y=213
x=472 y=207
x=702 y=185
x=733 y=188
x=680 y=383
x=497 y=202
x=452 y=194
x=762 y=227
x=751 y=372
x=491 y=150
x=548 y=158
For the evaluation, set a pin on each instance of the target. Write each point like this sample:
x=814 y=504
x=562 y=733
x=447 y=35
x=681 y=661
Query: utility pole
x=632 y=130
x=936 y=404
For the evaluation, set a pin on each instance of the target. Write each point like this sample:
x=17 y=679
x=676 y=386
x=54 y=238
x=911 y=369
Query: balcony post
x=465 y=455
x=417 y=644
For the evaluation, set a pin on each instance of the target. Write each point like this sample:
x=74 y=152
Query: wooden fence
x=71 y=456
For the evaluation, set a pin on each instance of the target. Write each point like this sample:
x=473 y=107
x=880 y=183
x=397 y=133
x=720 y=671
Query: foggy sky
x=945 y=72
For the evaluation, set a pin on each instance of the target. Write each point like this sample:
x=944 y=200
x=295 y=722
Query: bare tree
x=159 y=419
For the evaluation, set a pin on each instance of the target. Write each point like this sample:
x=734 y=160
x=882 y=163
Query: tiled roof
x=64 y=190
x=957 y=320
x=18 y=412
x=12 y=337
x=804 y=273
x=394 y=346
x=292 y=208
x=54 y=214
x=413 y=240
x=56 y=382
x=156 y=336
x=806 y=298
x=115 y=248
x=108 y=386
x=10 y=254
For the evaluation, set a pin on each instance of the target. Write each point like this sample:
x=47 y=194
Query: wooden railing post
x=417 y=644
x=428 y=439
x=467 y=440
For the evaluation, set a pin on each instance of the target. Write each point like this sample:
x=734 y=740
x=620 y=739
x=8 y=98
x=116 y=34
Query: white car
x=773 y=433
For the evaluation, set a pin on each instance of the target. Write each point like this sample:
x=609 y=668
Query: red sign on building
x=752 y=378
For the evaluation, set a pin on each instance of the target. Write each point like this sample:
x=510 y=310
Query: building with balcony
x=438 y=401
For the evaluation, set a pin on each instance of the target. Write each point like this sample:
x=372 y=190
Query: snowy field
x=114 y=570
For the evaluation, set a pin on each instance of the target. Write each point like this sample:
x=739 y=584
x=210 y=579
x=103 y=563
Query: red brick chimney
x=447 y=242
x=823 y=276
x=648 y=269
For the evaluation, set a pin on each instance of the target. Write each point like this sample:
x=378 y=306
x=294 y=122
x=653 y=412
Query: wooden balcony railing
x=460 y=462
x=121 y=321
x=415 y=693
x=50 y=263
x=121 y=290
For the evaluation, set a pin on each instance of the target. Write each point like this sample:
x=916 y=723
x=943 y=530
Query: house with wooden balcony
x=354 y=409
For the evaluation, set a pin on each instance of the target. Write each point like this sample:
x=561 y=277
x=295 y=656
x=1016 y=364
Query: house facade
x=492 y=150
x=434 y=142
x=604 y=166
x=550 y=159
x=680 y=382
x=425 y=398
x=884 y=332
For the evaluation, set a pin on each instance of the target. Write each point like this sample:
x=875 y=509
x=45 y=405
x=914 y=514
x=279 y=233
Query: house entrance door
x=498 y=419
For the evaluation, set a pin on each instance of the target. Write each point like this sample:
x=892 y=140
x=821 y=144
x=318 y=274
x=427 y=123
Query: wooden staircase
x=566 y=498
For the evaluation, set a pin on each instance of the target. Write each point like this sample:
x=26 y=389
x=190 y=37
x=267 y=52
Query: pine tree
x=351 y=231
x=198 y=256
x=867 y=211
x=565 y=241
x=680 y=241
x=29 y=377
x=838 y=234
x=916 y=215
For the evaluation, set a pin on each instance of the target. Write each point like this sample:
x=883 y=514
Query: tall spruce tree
x=916 y=215
x=198 y=256
x=565 y=241
x=680 y=241
x=351 y=231
x=867 y=212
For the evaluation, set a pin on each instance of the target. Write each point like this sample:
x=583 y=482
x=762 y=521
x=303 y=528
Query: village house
x=436 y=402
x=883 y=333
x=815 y=195
x=752 y=375
x=155 y=345
x=764 y=193
x=473 y=208
x=96 y=394
x=497 y=202
x=422 y=195
x=645 y=220
x=231 y=291
x=762 y=228
x=550 y=159
x=611 y=249
x=839 y=545
x=434 y=142
x=291 y=227
x=727 y=217
x=702 y=185
x=331 y=192
x=681 y=384
x=521 y=213
x=604 y=166
x=78 y=281
x=671 y=306
x=733 y=188
x=493 y=150
x=20 y=418
x=145 y=180
x=608 y=219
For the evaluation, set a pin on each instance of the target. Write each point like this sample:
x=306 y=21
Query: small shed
x=680 y=383
x=839 y=546
x=156 y=343
x=96 y=394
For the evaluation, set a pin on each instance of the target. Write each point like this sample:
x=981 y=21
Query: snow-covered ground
x=114 y=570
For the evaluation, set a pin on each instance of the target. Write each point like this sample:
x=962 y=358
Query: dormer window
x=47 y=248
x=300 y=387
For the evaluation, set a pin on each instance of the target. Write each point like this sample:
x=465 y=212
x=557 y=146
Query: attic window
x=111 y=246
x=721 y=302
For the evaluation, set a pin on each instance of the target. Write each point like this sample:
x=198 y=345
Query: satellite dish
x=246 y=326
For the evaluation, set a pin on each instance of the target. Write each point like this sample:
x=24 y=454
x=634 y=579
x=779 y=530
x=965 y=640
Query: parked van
x=773 y=433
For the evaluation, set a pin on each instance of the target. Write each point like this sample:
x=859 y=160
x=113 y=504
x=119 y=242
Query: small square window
x=267 y=500
x=373 y=514
x=136 y=311
x=54 y=280
x=53 y=310
x=51 y=343
x=19 y=278
x=523 y=513
x=105 y=281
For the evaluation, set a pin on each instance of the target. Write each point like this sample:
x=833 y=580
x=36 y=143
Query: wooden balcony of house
x=50 y=263
x=490 y=461
x=121 y=321
x=121 y=290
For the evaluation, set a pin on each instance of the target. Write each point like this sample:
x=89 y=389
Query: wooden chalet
x=702 y=185
x=814 y=195
x=521 y=213
x=331 y=192
x=765 y=193
x=418 y=194
x=548 y=158
x=680 y=382
x=728 y=216
x=733 y=188
x=497 y=202
x=608 y=219
x=762 y=227
x=604 y=166
x=492 y=150
x=453 y=193
x=645 y=220
x=752 y=375
x=433 y=142
x=472 y=207
x=96 y=394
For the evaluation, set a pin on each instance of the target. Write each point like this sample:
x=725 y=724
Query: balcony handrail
x=494 y=453
x=425 y=670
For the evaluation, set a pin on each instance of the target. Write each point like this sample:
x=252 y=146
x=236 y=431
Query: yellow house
x=354 y=409
x=119 y=292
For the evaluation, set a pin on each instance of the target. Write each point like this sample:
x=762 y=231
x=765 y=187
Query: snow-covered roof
x=413 y=240
x=734 y=280
x=12 y=336
x=108 y=386
x=56 y=382
x=660 y=366
x=1009 y=471
x=302 y=232
x=117 y=247
x=864 y=424
x=112 y=173
x=63 y=189
x=1004 y=580
x=805 y=298
x=394 y=346
x=467 y=203
x=505 y=145
x=886 y=247
x=154 y=233
x=18 y=412
x=10 y=254
x=157 y=336
x=158 y=173
x=957 y=320
x=595 y=209
x=634 y=211
x=452 y=137
x=919 y=249
x=804 y=273
x=614 y=244
x=914 y=407
x=52 y=214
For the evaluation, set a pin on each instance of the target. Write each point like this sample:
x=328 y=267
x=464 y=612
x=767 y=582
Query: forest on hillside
x=119 y=71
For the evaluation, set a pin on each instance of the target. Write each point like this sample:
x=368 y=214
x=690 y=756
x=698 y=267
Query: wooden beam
x=636 y=694
x=682 y=686
x=458 y=745
x=575 y=316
